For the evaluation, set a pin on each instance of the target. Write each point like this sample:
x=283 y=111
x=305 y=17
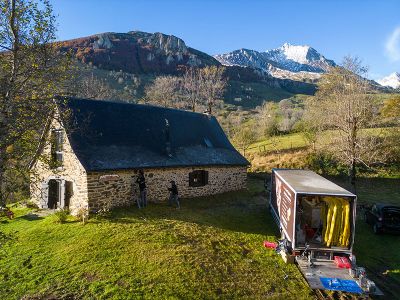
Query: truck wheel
x=376 y=229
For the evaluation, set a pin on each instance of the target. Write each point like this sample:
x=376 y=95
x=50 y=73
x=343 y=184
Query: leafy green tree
x=244 y=136
x=31 y=72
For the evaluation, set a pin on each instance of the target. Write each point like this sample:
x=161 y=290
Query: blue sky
x=366 y=28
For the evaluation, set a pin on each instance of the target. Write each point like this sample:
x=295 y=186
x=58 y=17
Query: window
x=198 y=178
x=57 y=142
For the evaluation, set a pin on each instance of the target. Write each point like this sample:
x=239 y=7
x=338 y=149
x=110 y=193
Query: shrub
x=82 y=215
x=31 y=204
x=325 y=163
x=104 y=211
x=6 y=212
x=61 y=215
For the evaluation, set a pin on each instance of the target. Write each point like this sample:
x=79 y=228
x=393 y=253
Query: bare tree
x=212 y=85
x=31 y=72
x=165 y=91
x=197 y=88
x=91 y=87
x=344 y=103
x=191 y=88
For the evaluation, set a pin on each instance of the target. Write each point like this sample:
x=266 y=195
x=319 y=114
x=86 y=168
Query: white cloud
x=393 y=45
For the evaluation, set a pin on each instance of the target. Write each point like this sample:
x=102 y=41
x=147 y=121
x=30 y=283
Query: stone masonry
x=71 y=170
x=118 y=188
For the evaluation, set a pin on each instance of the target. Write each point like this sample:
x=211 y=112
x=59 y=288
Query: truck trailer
x=317 y=220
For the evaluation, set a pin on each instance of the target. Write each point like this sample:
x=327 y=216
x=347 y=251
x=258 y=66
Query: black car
x=383 y=217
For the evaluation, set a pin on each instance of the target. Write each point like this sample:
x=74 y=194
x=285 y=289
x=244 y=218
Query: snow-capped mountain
x=288 y=61
x=393 y=80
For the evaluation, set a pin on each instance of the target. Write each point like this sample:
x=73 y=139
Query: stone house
x=94 y=149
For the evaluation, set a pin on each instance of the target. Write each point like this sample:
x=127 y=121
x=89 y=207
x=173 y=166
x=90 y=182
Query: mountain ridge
x=136 y=52
x=283 y=62
x=392 y=80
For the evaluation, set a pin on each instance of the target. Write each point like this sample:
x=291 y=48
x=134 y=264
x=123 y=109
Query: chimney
x=167 y=139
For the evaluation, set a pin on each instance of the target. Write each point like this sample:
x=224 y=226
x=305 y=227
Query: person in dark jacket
x=173 y=194
x=141 y=181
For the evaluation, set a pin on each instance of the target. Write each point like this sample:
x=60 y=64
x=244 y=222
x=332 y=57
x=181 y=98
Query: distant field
x=250 y=95
x=297 y=140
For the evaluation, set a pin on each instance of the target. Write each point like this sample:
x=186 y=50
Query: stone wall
x=118 y=188
x=71 y=170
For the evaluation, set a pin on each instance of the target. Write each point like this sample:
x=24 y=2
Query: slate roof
x=109 y=135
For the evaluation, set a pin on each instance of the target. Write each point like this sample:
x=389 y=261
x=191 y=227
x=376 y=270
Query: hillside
x=136 y=52
x=130 y=61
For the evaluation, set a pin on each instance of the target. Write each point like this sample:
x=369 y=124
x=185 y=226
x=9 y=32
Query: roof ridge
x=122 y=102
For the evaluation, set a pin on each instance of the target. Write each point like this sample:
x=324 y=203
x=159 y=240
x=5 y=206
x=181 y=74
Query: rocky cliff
x=137 y=52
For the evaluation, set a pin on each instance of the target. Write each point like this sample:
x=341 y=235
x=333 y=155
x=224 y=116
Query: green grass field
x=297 y=140
x=211 y=248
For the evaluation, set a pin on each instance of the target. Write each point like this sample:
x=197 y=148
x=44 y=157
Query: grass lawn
x=211 y=248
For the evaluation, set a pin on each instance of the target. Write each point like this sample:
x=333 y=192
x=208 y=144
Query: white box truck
x=317 y=219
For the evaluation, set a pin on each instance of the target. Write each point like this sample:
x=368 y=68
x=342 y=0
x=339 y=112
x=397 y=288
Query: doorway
x=54 y=199
x=69 y=192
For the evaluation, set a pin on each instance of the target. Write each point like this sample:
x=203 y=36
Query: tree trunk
x=352 y=176
x=2 y=183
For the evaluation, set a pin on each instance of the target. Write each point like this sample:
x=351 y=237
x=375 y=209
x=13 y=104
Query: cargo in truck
x=317 y=218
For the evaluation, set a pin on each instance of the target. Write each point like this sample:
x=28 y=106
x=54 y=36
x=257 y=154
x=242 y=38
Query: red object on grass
x=342 y=262
x=270 y=245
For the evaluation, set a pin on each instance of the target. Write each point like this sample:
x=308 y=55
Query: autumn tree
x=31 y=72
x=391 y=111
x=391 y=108
x=267 y=117
x=243 y=137
x=344 y=104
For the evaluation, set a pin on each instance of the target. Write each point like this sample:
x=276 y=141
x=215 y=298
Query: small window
x=198 y=178
x=208 y=143
x=57 y=142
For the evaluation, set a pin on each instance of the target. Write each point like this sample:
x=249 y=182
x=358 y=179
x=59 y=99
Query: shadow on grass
x=242 y=211
x=31 y=217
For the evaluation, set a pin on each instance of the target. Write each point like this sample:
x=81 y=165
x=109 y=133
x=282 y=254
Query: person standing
x=173 y=194
x=141 y=181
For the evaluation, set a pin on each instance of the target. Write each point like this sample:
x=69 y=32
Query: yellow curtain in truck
x=336 y=222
